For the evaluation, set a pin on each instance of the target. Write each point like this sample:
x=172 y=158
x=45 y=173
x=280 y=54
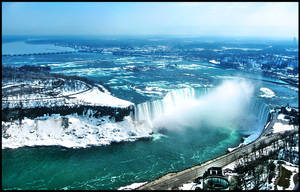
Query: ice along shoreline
x=80 y=113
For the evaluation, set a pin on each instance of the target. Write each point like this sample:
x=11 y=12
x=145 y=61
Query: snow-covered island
x=40 y=93
x=39 y=108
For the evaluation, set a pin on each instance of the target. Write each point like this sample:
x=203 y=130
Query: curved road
x=174 y=180
x=54 y=97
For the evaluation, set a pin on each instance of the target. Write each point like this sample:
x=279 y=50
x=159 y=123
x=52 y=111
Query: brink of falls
x=192 y=107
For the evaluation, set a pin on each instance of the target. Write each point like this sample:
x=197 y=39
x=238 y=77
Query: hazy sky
x=276 y=19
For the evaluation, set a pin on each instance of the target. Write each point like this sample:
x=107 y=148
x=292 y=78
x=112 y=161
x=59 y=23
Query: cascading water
x=257 y=119
x=147 y=112
x=231 y=104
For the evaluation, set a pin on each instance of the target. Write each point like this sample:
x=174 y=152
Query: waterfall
x=260 y=109
x=148 y=111
x=259 y=112
x=191 y=106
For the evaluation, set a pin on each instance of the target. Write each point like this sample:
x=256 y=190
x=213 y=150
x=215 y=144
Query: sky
x=255 y=19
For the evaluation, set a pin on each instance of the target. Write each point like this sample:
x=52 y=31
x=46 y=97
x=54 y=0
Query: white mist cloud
x=222 y=107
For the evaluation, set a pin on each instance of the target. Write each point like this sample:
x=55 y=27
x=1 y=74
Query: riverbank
x=177 y=179
x=80 y=112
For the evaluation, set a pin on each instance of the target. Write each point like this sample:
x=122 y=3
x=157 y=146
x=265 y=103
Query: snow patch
x=234 y=148
x=132 y=186
x=187 y=186
x=282 y=117
x=95 y=96
x=191 y=186
x=279 y=127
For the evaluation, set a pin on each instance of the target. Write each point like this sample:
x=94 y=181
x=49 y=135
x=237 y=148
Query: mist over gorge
x=113 y=95
x=223 y=106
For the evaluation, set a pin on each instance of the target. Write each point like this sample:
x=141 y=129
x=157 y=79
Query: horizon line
x=173 y=35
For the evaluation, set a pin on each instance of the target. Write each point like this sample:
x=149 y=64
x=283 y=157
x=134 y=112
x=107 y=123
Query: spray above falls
x=222 y=106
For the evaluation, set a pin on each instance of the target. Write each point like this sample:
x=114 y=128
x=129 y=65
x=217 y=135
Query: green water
x=116 y=165
x=113 y=166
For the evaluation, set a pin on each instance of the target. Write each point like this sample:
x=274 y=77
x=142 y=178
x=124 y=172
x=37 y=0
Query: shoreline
x=173 y=180
x=270 y=118
x=193 y=169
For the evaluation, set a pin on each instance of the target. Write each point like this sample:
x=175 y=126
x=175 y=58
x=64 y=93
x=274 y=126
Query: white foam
x=251 y=138
x=191 y=66
x=214 y=61
x=157 y=136
x=150 y=90
x=268 y=93
x=240 y=48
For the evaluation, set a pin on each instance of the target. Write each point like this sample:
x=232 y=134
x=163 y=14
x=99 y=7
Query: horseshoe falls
x=190 y=125
x=200 y=107
x=148 y=112
x=192 y=111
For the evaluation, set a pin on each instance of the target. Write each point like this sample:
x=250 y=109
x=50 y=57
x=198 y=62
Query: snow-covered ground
x=270 y=186
x=95 y=97
x=71 y=130
x=132 y=186
x=80 y=132
x=266 y=92
x=280 y=127
x=234 y=148
x=190 y=186
x=282 y=117
x=289 y=166
x=69 y=93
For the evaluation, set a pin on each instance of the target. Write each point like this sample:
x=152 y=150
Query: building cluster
x=268 y=61
x=262 y=62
